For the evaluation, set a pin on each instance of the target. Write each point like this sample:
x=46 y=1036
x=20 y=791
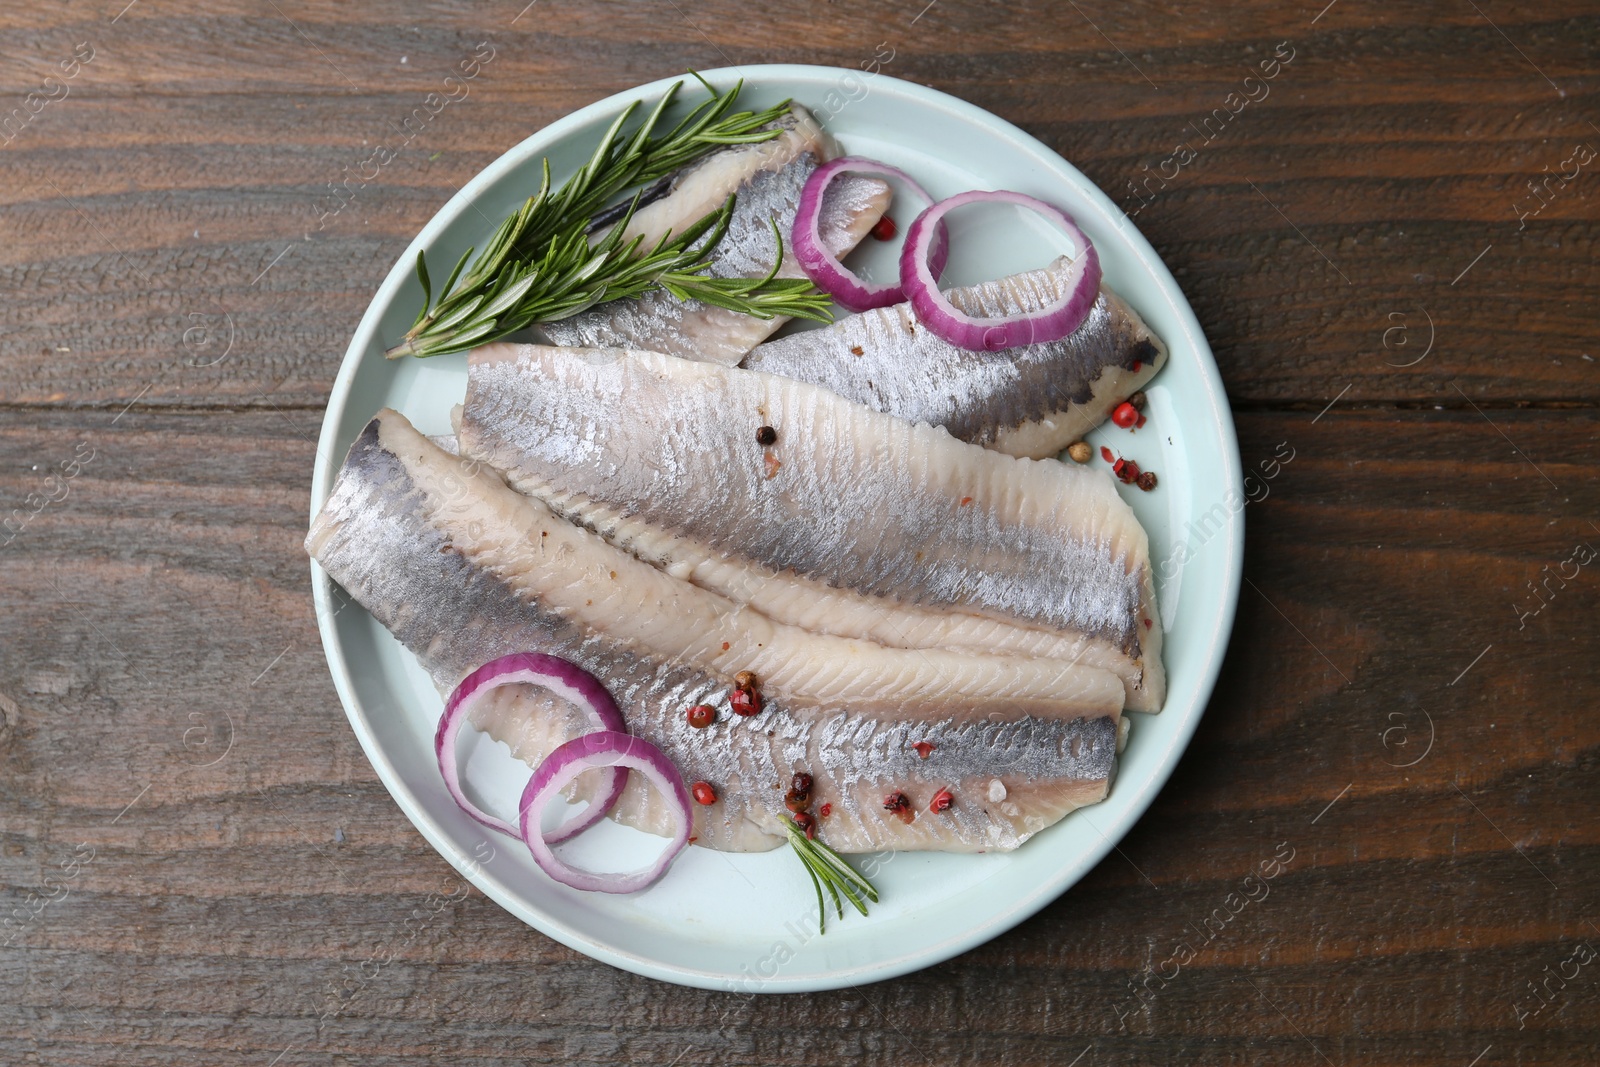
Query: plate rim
x=1027 y=905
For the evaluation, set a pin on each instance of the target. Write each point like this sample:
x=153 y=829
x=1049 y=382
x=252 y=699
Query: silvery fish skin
x=900 y=522
x=1029 y=401
x=462 y=569
x=810 y=604
x=767 y=179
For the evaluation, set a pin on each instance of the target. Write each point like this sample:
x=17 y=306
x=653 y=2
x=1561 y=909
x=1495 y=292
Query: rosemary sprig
x=539 y=265
x=827 y=868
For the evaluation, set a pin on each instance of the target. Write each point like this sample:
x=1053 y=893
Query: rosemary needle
x=827 y=868
x=540 y=264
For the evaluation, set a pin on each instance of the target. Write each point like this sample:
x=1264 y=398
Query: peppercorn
x=1080 y=451
x=1138 y=400
x=885 y=229
x=1124 y=415
x=825 y=811
x=806 y=822
x=702 y=715
x=924 y=748
x=1147 y=480
x=744 y=680
x=745 y=702
x=896 y=803
x=766 y=435
x=801 y=782
x=797 y=799
x=703 y=793
x=941 y=801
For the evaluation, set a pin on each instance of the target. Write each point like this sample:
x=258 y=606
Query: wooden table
x=201 y=867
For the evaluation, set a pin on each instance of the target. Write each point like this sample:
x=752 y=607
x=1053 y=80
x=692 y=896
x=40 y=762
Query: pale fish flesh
x=462 y=569
x=767 y=180
x=920 y=540
x=1030 y=401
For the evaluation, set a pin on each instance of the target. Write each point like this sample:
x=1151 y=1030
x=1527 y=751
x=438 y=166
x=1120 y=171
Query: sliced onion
x=604 y=748
x=567 y=681
x=920 y=279
x=823 y=267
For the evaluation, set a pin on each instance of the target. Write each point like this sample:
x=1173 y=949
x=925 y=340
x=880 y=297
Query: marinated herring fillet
x=463 y=569
x=809 y=604
x=914 y=538
x=767 y=179
x=1029 y=401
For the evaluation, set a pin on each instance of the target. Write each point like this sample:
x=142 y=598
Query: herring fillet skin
x=1029 y=401
x=767 y=179
x=896 y=523
x=812 y=605
x=461 y=569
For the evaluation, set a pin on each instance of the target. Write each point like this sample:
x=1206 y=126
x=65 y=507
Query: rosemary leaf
x=827 y=868
x=539 y=265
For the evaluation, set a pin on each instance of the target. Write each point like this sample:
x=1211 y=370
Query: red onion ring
x=566 y=680
x=604 y=748
x=1051 y=323
x=822 y=266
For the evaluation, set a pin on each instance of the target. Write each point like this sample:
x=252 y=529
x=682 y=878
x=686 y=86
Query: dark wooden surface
x=198 y=860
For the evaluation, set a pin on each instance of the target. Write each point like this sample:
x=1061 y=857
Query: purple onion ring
x=823 y=267
x=622 y=751
x=1050 y=323
x=567 y=681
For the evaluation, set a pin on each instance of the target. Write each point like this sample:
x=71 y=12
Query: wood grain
x=165 y=707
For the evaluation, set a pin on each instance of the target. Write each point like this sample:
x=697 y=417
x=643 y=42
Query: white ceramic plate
x=747 y=923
